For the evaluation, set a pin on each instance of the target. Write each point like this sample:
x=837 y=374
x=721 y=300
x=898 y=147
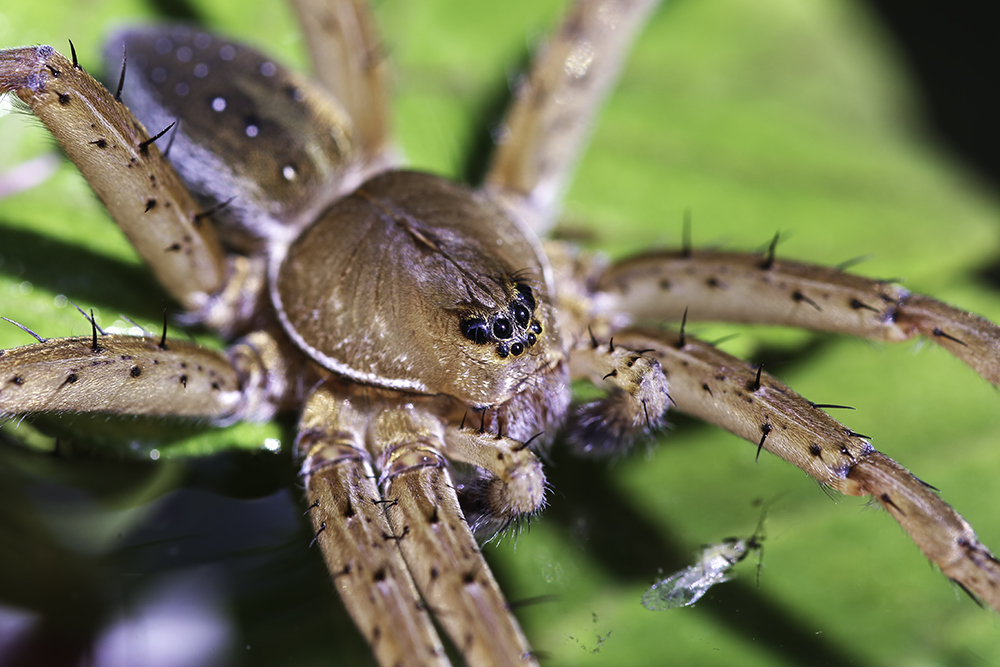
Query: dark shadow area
x=952 y=54
x=491 y=113
x=230 y=536
x=89 y=278
x=178 y=10
x=41 y=575
x=989 y=274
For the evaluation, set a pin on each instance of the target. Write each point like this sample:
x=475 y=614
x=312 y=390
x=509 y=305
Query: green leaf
x=757 y=118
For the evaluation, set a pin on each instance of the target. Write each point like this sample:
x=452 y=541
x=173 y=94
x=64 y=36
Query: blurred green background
x=759 y=117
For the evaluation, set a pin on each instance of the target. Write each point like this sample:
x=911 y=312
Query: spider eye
x=520 y=313
x=502 y=328
x=476 y=330
x=516 y=349
x=529 y=296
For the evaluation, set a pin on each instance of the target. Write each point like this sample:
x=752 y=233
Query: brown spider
x=519 y=289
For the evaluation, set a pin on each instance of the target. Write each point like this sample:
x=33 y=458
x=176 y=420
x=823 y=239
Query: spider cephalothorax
x=444 y=270
x=422 y=333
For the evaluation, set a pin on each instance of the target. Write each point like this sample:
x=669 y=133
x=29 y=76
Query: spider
x=923 y=371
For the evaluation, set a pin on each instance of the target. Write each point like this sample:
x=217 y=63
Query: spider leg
x=750 y=288
x=723 y=390
x=354 y=534
x=549 y=121
x=348 y=59
x=443 y=557
x=123 y=375
x=147 y=376
x=124 y=167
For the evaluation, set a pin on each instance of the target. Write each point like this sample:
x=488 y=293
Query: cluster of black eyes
x=504 y=326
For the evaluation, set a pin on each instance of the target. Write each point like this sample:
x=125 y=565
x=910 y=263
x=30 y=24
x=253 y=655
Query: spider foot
x=509 y=484
x=635 y=404
x=608 y=427
x=488 y=508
